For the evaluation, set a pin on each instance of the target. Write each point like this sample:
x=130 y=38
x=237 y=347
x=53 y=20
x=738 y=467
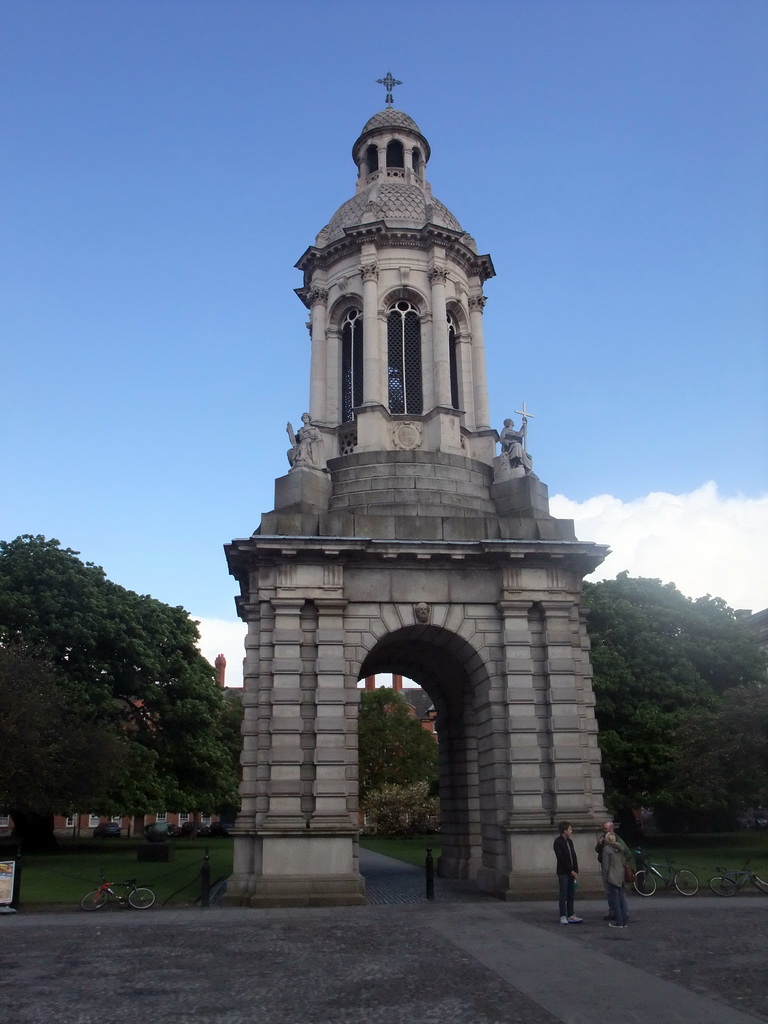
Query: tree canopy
x=668 y=671
x=393 y=748
x=127 y=667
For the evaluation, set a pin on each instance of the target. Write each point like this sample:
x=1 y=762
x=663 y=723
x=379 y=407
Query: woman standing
x=614 y=864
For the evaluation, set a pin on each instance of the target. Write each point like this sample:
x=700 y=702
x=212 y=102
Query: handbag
x=629 y=874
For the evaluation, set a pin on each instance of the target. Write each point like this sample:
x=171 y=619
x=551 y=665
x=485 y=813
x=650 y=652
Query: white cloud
x=703 y=542
x=220 y=636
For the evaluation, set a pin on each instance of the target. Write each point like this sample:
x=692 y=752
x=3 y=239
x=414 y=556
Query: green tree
x=130 y=665
x=393 y=748
x=54 y=753
x=663 y=664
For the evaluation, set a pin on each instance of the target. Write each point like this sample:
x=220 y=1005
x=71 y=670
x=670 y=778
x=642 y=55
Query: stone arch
x=407 y=293
x=340 y=306
x=456 y=673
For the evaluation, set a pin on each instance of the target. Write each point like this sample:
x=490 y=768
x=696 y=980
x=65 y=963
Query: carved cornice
x=382 y=236
x=317 y=295
x=437 y=275
x=477 y=302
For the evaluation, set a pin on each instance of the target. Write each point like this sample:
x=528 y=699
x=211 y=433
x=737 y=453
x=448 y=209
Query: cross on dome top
x=389 y=83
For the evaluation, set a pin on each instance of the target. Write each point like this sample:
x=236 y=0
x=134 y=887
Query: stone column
x=440 y=356
x=369 y=273
x=476 y=304
x=286 y=725
x=335 y=750
x=524 y=702
x=568 y=729
x=318 y=371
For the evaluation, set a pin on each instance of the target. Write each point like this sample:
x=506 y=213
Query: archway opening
x=452 y=674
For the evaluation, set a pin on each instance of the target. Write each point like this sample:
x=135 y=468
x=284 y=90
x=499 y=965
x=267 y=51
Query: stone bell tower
x=400 y=541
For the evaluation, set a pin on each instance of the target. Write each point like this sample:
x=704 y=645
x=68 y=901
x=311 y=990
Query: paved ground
x=682 y=961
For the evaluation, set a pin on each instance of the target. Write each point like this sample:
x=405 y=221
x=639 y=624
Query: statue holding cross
x=514 y=442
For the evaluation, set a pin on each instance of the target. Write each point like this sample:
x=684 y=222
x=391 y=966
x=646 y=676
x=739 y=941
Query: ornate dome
x=390 y=118
x=398 y=205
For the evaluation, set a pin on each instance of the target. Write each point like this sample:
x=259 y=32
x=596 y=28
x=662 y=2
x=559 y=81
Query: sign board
x=7 y=874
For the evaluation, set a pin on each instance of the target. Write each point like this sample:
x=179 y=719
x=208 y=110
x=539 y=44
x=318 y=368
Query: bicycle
x=138 y=897
x=648 y=875
x=729 y=882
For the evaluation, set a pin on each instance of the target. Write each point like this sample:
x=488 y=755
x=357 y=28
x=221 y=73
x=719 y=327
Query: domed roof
x=397 y=204
x=390 y=118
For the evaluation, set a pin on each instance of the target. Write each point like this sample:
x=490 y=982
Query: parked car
x=108 y=830
x=218 y=828
x=193 y=828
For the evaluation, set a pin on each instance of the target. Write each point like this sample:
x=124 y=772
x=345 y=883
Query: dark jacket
x=566 y=855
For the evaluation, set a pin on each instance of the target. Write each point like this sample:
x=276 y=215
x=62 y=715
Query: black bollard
x=205 y=874
x=430 y=869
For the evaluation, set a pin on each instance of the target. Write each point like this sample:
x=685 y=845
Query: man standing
x=567 y=872
x=609 y=826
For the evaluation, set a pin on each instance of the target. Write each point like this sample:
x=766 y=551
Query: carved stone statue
x=305 y=445
x=513 y=445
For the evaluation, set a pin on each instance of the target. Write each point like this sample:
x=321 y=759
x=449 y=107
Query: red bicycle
x=138 y=897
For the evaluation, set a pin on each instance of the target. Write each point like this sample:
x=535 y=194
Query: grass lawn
x=704 y=854
x=412 y=851
x=66 y=876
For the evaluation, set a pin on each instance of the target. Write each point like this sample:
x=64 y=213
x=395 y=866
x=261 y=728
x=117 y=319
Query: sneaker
x=574 y=920
x=564 y=920
x=613 y=924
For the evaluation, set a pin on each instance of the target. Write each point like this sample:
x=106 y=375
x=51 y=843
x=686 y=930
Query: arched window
x=351 y=363
x=404 y=359
x=395 y=154
x=372 y=159
x=417 y=161
x=453 y=357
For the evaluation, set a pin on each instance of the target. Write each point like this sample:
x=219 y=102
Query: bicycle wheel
x=644 y=884
x=722 y=886
x=759 y=883
x=141 y=899
x=686 y=882
x=94 y=900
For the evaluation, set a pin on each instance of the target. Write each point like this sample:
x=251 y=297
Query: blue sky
x=165 y=164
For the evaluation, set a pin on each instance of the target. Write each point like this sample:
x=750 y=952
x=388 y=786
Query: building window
x=417 y=161
x=372 y=159
x=93 y=820
x=404 y=359
x=5 y=821
x=161 y=816
x=205 y=819
x=395 y=154
x=183 y=818
x=118 y=818
x=69 y=823
x=453 y=356
x=351 y=363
